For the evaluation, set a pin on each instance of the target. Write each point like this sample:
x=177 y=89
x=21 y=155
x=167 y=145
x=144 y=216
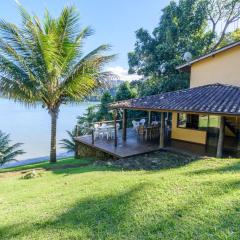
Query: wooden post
x=238 y=137
x=93 y=136
x=149 y=118
x=161 y=141
x=76 y=131
x=220 y=138
x=124 y=125
x=115 y=129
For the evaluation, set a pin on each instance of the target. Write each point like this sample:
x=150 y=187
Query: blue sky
x=114 y=21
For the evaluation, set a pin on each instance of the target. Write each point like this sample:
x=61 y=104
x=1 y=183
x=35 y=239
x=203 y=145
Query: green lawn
x=200 y=200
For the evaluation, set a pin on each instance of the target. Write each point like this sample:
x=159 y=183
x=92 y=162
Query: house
x=205 y=118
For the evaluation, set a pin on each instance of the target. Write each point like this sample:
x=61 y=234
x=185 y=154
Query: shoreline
x=33 y=160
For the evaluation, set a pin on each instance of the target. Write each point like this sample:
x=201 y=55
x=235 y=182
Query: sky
x=114 y=22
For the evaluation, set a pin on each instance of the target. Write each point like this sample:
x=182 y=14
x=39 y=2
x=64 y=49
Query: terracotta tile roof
x=215 y=98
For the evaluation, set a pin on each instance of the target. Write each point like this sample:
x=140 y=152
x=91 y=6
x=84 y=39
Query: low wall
x=84 y=150
x=189 y=135
x=194 y=148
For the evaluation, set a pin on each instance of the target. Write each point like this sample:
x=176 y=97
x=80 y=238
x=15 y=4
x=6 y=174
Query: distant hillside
x=112 y=88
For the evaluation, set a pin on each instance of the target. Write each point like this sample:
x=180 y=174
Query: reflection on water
x=31 y=126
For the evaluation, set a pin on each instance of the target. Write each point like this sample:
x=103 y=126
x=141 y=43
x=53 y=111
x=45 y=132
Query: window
x=214 y=121
x=182 y=120
x=203 y=122
x=209 y=123
x=190 y=121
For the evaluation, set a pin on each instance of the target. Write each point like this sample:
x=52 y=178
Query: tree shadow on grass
x=113 y=217
x=99 y=217
x=187 y=222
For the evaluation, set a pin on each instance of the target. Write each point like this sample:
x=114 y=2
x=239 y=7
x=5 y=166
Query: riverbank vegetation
x=77 y=199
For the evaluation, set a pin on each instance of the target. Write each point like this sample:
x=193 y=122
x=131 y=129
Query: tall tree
x=221 y=14
x=125 y=92
x=103 y=112
x=43 y=63
x=183 y=27
x=230 y=38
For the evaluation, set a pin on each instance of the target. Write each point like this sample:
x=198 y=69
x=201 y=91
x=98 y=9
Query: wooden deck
x=134 y=145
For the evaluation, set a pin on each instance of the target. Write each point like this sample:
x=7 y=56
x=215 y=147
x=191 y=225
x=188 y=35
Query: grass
x=196 y=201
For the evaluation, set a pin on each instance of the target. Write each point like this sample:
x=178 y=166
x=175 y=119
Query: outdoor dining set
x=105 y=130
x=142 y=130
x=149 y=132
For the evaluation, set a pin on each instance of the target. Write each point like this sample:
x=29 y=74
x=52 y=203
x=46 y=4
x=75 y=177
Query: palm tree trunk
x=54 y=116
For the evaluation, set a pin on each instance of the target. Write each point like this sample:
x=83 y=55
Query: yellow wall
x=189 y=135
x=223 y=68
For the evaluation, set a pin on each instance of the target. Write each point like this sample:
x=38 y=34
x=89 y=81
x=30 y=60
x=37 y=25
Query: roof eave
x=187 y=66
x=176 y=111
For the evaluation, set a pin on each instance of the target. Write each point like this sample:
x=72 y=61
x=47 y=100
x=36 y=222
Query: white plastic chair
x=104 y=130
x=113 y=130
x=96 y=130
x=155 y=123
x=135 y=125
x=104 y=125
x=142 y=122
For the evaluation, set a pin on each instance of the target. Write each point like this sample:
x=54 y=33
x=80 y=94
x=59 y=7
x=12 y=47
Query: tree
x=43 y=63
x=222 y=12
x=182 y=28
x=125 y=92
x=8 y=152
x=230 y=38
x=103 y=112
x=155 y=85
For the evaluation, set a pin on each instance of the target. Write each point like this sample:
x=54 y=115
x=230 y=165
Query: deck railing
x=90 y=130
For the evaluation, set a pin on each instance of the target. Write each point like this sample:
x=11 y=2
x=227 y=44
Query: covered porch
x=203 y=120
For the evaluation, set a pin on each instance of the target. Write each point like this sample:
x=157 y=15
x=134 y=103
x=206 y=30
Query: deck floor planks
x=134 y=144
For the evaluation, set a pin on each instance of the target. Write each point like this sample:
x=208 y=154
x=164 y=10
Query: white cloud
x=122 y=73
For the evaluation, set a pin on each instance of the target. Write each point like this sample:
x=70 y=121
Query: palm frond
x=43 y=62
x=68 y=144
x=68 y=24
x=8 y=152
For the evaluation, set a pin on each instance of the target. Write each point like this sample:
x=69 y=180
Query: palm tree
x=8 y=152
x=42 y=63
x=68 y=144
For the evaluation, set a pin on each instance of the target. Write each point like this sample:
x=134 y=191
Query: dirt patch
x=21 y=172
x=40 y=170
x=151 y=161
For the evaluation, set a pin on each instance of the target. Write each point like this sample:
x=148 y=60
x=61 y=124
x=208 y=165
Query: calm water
x=31 y=126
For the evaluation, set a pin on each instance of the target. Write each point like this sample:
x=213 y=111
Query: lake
x=31 y=126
